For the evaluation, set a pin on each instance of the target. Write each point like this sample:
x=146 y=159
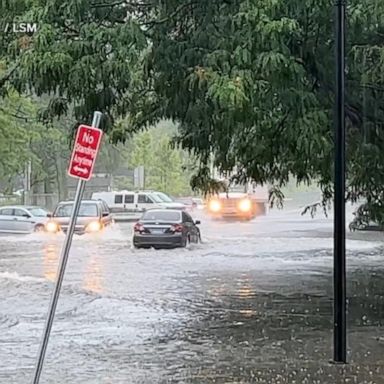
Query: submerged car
x=22 y=219
x=94 y=215
x=159 y=228
x=240 y=201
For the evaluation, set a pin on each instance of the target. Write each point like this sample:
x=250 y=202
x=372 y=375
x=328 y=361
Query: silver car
x=94 y=216
x=22 y=219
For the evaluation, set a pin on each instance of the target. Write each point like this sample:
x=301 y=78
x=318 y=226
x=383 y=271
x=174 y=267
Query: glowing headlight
x=214 y=206
x=52 y=227
x=94 y=226
x=245 y=205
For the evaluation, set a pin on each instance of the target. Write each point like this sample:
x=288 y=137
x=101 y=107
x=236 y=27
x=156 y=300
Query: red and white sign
x=85 y=151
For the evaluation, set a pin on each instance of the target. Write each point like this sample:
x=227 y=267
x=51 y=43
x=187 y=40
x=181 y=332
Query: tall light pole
x=340 y=329
x=27 y=183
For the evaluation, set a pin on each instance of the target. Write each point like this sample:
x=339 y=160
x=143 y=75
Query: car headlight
x=52 y=227
x=94 y=226
x=215 y=205
x=245 y=205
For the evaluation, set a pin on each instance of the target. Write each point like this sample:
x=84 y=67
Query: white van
x=129 y=201
x=170 y=203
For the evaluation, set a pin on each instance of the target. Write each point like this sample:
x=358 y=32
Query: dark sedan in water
x=160 y=228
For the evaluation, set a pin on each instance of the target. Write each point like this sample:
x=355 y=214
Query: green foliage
x=17 y=130
x=84 y=53
x=253 y=83
x=249 y=81
x=14 y=139
x=24 y=139
x=166 y=168
x=113 y=156
x=245 y=93
x=50 y=151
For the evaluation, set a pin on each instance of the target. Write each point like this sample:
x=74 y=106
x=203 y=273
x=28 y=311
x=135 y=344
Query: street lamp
x=340 y=333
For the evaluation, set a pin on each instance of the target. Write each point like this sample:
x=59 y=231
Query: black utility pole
x=340 y=329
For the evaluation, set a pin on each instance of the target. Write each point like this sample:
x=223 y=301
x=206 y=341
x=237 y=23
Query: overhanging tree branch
x=179 y=9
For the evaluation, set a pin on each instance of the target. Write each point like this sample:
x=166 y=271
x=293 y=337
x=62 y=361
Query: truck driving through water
x=245 y=201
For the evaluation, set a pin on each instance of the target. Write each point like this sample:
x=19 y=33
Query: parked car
x=22 y=219
x=94 y=216
x=165 y=228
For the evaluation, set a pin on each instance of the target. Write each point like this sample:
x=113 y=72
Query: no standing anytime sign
x=85 y=151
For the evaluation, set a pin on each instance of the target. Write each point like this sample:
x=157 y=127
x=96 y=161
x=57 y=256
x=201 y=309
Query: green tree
x=253 y=84
x=142 y=155
x=165 y=166
x=24 y=139
x=13 y=142
x=84 y=54
x=50 y=151
x=249 y=81
x=240 y=83
x=18 y=127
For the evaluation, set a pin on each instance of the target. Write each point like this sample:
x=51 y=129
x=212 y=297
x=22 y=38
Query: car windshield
x=86 y=210
x=156 y=198
x=167 y=216
x=237 y=188
x=164 y=197
x=38 y=212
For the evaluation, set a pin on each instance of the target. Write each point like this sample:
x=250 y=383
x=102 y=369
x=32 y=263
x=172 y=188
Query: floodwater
x=252 y=304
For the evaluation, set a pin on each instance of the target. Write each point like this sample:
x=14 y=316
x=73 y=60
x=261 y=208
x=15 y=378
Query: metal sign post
x=63 y=262
x=340 y=327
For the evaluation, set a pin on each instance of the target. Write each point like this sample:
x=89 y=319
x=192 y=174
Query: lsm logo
x=21 y=27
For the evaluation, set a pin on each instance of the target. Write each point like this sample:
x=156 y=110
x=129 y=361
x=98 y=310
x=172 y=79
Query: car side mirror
x=27 y=216
x=197 y=222
x=105 y=214
x=49 y=215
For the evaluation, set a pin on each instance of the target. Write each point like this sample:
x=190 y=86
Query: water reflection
x=50 y=262
x=245 y=292
x=248 y=312
x=93 y=276
x=209 y=318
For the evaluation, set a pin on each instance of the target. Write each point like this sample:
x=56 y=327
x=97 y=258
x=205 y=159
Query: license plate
x=156 y=231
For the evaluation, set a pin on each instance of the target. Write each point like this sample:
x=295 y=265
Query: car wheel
x=39 y=228
x=184 y=242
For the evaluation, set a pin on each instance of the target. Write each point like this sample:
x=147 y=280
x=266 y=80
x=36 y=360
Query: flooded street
x=252 y=304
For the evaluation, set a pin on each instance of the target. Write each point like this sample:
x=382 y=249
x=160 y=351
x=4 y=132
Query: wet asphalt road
x=252 y=304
